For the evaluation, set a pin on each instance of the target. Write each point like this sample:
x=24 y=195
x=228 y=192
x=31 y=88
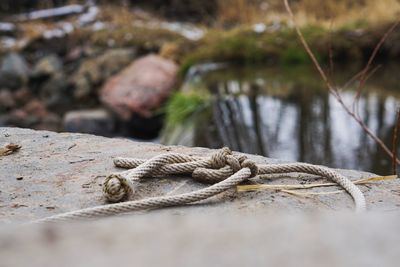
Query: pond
x=287 y=113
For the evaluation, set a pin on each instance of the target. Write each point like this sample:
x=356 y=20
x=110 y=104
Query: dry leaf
x=8 y=149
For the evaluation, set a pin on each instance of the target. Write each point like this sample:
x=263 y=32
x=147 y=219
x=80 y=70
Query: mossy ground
x=244 y=46
x=182 y=106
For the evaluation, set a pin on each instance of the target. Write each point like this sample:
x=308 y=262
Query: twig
x=374 y=53
x=307 y=194
x=364 y=72
x=79 y=161
x=308 y=49
x=331 y=65
x=359 y=90
x=71 y=146
x=244 y=188
x=333 y=90
x=395 y=136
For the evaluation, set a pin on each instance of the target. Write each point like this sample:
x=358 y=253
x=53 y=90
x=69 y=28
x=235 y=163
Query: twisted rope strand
x=153 y=202
x=349 y=186
x=223 y=169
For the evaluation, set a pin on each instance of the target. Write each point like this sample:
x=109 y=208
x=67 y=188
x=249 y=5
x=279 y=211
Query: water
x=287 y=113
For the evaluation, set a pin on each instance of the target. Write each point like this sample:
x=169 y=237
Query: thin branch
x=331 y=65
x=353 y=79
x=395 y=136
x=333 y=90
x=375 y=52
x=364 y=73
x=364 y=77
x=359 y=91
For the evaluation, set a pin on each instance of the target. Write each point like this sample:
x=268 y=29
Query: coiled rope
x=224 y=170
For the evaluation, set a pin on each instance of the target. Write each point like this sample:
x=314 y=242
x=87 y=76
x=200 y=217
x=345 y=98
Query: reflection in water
x=297 y=121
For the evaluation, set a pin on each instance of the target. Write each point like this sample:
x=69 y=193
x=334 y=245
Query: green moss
x=313 y=31
x=236 y=46
x=295 y=55
x=244 y=46
x=185 y=66
x=182 y=106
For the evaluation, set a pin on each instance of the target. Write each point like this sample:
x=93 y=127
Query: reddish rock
x=94 y=71
x=141 y=87
x=36 y=108
x=6 y=99
x=22 y=95
x=33 y=115
x=18 y=115
x=52 y=122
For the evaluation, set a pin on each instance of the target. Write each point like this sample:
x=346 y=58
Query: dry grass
x=238 y=11
x=259 y=187
x=116 y=15
x=328 y=13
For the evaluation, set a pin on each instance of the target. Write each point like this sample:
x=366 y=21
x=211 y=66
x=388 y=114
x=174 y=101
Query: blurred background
x=207 y=73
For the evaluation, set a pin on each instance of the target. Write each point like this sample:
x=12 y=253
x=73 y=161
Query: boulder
x=47 y=66
x=96 y=121
x=33 y=115
x=10 y=81
x=94 y=71
x=22 y=95
x=65 y=171
x=54 y=173
x=36 y=108
x=140 y=88
x=14 y=71
x=57 y=92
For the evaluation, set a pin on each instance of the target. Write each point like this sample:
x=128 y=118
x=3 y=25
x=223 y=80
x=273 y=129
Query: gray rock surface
x=64 y=172
x=54 y=173
x=47 y=66
x=94 y=121
x=7 y=100
x=56 y=92
x=14 y=71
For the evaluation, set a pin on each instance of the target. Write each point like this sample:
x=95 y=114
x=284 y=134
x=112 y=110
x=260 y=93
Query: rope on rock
x=223 y=169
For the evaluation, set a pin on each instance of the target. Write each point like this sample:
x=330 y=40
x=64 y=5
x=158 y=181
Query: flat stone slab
x=54 y=173
x=58 y=172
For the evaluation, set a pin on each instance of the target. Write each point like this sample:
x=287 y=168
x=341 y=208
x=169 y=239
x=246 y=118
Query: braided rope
x=223 y=169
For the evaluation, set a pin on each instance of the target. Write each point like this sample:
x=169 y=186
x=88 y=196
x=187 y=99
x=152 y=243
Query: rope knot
x=219 y=158
x=115 y=188
x=224 y=157
x=251 y=165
